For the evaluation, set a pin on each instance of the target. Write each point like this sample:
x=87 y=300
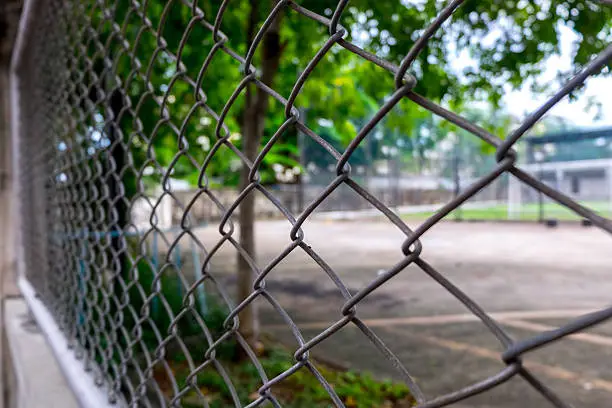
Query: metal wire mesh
x=80 y=133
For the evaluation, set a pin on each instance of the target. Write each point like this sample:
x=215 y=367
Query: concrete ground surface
x=35 y=380
x=531 y=279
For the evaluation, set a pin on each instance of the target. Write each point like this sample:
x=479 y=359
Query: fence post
x=514 y=197
x=609 y=172
x=456 y=180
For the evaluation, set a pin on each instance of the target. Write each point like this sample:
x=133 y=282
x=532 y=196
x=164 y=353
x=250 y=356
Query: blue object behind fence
x=155 y=261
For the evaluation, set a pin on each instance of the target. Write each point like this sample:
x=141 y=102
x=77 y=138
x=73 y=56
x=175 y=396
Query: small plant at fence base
x=357 y=390
x=302 y=389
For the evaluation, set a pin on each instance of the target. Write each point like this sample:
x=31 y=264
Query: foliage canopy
x=486 y=47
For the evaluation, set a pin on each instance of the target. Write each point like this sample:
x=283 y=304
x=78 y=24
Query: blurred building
x=577 y=163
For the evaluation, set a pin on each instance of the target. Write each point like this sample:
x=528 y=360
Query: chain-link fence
x=412 y=183
x=99 y=130
x=416 y=185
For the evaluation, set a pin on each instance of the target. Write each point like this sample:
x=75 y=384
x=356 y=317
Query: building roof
x=569 y=136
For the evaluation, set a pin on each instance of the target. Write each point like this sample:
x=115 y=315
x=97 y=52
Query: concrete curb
x=34 y=379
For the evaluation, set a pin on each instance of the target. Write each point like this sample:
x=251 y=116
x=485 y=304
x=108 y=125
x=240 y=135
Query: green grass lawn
x=527 y=212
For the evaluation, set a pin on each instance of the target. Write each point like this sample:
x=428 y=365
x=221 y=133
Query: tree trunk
x=252 y=132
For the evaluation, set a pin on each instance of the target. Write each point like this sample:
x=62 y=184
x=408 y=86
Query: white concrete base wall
x=33 y=377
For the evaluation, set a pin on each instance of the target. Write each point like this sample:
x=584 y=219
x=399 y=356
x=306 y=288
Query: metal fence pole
x=456 y=176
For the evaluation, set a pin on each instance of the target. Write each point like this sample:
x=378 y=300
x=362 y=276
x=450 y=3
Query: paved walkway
x=531 y=278
x=452 y=352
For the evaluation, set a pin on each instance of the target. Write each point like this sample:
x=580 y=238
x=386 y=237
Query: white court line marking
x=585 y=337
x=511 y=319
x=548 y=370
x=452 y=318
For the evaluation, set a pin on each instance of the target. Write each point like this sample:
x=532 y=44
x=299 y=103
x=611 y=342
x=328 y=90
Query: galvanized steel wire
x=76 y=242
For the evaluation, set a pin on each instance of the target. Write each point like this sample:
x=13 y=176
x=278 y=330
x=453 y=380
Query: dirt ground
x=531 y=278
